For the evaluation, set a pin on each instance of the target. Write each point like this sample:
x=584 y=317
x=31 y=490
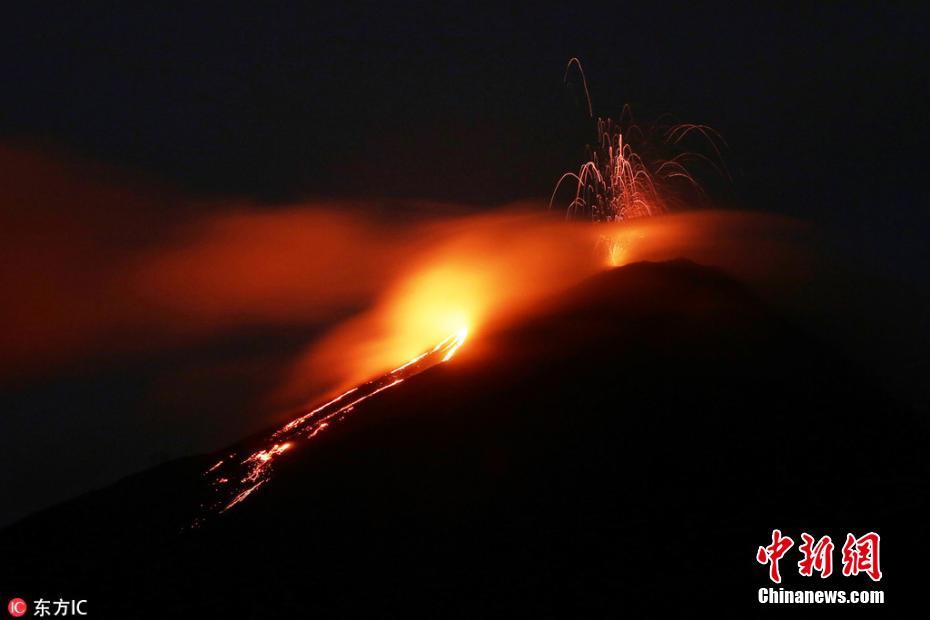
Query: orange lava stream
x=234 y=478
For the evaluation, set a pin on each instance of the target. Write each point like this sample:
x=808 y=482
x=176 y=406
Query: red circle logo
x=17 y=607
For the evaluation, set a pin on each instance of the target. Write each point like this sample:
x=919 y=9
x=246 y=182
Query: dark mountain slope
x=631 y=445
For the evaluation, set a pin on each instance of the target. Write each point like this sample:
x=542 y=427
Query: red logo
x=817 y=557
x=860 y=555
x=773 y=553
x=17 y=607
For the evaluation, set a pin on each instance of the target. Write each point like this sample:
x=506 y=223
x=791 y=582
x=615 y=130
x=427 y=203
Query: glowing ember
x=618 y=181
x=235 y=478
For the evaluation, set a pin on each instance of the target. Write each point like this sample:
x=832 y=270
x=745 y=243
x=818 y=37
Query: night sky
x=824 y=109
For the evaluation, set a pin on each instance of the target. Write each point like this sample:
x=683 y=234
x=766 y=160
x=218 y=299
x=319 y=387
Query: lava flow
x=235 y=477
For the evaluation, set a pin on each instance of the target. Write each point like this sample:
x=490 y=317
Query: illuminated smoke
x=94 y=273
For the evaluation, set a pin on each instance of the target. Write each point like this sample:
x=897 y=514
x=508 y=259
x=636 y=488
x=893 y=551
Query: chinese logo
x=859 y=555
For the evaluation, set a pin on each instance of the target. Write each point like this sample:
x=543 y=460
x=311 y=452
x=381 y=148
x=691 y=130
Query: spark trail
x=238 y=475
x=637 y=171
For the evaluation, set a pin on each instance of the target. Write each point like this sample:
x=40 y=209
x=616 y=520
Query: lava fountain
x=634 y=170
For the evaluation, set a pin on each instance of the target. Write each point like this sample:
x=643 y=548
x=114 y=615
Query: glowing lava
x=234 y=478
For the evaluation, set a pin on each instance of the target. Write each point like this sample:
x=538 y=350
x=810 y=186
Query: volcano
x=629 y=446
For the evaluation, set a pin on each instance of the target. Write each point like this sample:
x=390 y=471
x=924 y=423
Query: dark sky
x=824 y=108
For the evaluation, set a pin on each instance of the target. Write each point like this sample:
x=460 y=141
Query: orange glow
x=498 y=267
x=96 y=272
